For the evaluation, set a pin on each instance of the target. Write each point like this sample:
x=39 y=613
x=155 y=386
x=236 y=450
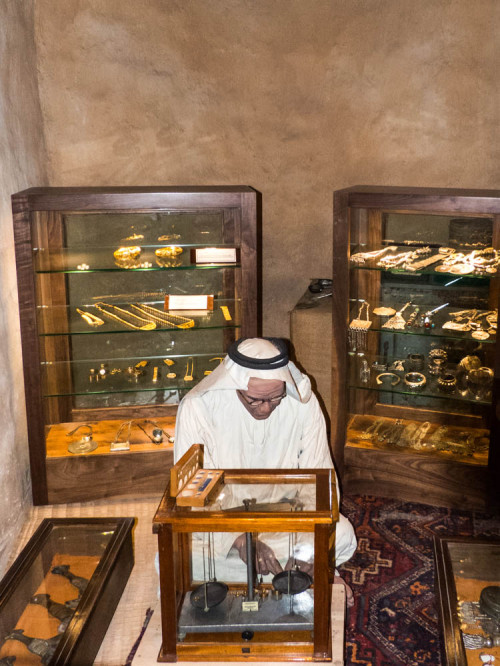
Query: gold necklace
x=146 y=325
x=90 y=318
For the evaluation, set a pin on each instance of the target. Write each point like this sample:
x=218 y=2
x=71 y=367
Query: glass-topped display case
x=215 y=604
x=128 y=298
x=468 y=591
x=415 y=337
x=58 y=598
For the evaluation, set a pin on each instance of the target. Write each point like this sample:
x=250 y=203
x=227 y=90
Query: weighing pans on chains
x=292 y=581
x=210 y=594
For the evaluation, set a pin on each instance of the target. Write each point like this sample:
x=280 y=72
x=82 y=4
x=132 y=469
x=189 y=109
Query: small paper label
x=249 y=606
x=189 y=302
x=215 y=255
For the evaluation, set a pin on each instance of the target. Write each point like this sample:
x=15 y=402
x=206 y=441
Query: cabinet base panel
x=416 y=478
x=123 y=475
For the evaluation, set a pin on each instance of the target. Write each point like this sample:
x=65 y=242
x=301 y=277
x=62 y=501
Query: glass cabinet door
x=134 y=297
x=421 y=331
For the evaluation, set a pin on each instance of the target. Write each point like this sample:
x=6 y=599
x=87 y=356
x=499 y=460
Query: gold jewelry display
x=480 y=335
x=134 y=237
x=423 y=263
x=358 y=328
x=155 y=374
x=384 y=312
x=397 y=322
x=168 y=361
x=142 y=325
x=189 y=376
x=127 y=257
x=163 y=318
x=420 y=435
x=171 y=375
x=91 y=319
x=116 y=445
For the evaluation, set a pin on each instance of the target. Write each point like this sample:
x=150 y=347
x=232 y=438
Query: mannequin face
x=270 y=391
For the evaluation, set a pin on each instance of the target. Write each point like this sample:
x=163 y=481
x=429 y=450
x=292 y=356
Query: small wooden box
x=192 y=485
x=60 y=594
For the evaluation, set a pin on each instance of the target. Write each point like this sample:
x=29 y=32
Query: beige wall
x=22 y=164
x=294 y=97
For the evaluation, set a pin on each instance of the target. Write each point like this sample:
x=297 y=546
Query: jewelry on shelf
x=189 y=376
x=480 y=335
x=379 y=367
x=215 y=358
x=91 y=319
x=447 y=383
x=415 y=362
x=169 y=257
x=164 y=318
x=436 y=366
x=412 y=318
x=85 y=444
x=424 y=263
x=358 y=328
x=438 y=353
x=395 y=260
x=116 y=445
x=83 y=267
x=415 y=380
x=394 y=378
x=427 y=317
x=127 y=257
x=398 y=365
x=168 y=361
x=397 y=322
x=420 y=435
x=143 y=325
x=171 y=375
x=362 y=257
x=384 y=312
x=364 y=372
x=155 y=374
x=134 y=236
x=102 y=373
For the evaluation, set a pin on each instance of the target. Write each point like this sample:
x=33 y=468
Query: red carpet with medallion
x=394 y=621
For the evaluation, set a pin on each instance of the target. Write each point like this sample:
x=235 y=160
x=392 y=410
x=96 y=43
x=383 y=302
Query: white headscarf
x=231 y=375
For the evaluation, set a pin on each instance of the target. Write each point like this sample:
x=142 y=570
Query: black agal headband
x=260 y=363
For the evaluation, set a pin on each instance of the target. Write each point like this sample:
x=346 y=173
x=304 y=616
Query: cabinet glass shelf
x=437 y=331
x=126 y=375
x=428 y=392
x=66 y=320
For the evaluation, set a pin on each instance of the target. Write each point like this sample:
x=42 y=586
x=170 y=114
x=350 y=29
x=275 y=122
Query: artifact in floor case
x=42 y=647
x=61 y=611
x=482 y=615
x=77 y=581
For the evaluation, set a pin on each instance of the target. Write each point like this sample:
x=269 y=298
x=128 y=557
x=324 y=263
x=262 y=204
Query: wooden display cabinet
x=58 y=598
x=416 y=389
x=207 y=610
x=128 y=297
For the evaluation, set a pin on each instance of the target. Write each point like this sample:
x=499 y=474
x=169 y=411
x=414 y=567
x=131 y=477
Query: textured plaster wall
x=294 y=97
x=22 y=164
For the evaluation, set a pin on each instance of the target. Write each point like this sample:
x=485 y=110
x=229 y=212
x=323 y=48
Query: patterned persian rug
x=394 y=621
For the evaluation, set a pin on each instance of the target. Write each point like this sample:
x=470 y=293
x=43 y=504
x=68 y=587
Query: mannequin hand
x=266 y=561
x=306 y=567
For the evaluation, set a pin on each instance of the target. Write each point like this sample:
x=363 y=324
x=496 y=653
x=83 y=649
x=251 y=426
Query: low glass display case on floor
x=468 y=590
x=214 y=605
x=58 y=598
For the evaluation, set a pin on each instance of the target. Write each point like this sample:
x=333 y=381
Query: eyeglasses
x=255 y=402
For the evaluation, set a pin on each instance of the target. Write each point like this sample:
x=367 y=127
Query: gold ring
x=124 y=253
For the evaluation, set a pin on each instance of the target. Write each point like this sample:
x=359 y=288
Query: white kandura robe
x=293 y=436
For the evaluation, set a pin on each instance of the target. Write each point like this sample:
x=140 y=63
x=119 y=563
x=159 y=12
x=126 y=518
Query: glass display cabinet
x=128 y=297
x=58 y=598
x=468 y=591
x=416 y=391
x=214 y=605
